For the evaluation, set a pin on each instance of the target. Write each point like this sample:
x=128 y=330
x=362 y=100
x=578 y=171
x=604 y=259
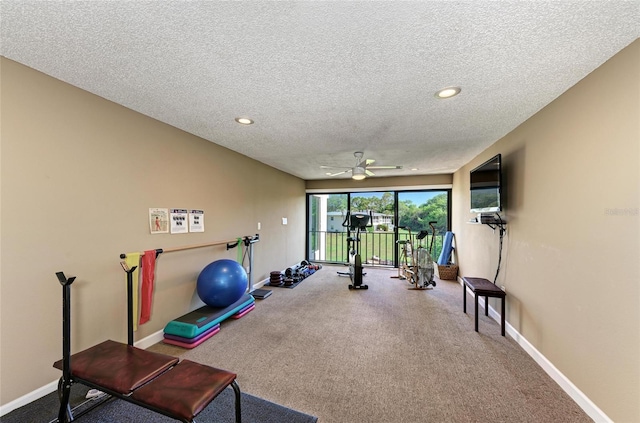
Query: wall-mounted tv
x=486 y=186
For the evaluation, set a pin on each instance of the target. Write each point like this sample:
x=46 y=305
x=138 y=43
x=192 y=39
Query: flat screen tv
x=486 y=186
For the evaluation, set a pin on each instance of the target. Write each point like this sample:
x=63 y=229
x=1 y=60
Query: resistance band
x=146 y=290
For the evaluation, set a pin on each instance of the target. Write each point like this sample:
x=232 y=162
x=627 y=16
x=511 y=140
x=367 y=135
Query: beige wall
x=79 y=174
x=571 y=253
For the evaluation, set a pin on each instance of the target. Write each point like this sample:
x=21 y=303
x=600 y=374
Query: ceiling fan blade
x=362 y=168
x=385 y=167
x=334 y=167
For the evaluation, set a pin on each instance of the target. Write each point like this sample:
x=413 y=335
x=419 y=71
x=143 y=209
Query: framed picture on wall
x=178 y=219
x=196 y=221
x=159 y=221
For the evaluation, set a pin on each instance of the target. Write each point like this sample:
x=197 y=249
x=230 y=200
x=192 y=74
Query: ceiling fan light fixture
x=358 y=173
x=448 y=92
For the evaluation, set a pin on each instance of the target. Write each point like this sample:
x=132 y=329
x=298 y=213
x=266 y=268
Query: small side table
x=483 y=288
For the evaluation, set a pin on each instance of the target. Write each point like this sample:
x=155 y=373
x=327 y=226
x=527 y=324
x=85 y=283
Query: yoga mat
x=447 y=248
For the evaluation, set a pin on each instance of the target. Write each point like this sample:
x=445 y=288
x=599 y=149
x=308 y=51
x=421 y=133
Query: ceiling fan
x=362 y=168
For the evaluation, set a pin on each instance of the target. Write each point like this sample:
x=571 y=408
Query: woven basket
x=447 y=272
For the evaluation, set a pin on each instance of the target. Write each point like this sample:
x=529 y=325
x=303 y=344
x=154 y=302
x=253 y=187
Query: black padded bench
x=157 y=382
x=483 y=288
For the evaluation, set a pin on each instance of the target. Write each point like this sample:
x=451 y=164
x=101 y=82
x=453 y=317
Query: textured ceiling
x=325 y=79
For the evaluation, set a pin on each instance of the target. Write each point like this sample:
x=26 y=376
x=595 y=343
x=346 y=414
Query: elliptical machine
x=356 y=222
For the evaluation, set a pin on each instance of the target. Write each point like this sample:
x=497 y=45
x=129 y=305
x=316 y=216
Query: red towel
x=146 y=290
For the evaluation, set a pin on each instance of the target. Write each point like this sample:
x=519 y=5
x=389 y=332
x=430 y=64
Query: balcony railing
x=376 y=248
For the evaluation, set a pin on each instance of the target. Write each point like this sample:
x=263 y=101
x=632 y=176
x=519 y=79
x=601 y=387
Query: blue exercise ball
x=222 y=283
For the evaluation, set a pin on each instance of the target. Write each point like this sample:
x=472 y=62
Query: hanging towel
x=133 y=259
x=146 y=291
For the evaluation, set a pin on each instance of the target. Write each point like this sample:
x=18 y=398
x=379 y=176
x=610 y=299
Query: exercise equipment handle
x=345 y=222
x=370 y=224
x=66 y=338
x=247 y=240
x=130 y=316
x=433 y=236
x=63 y=279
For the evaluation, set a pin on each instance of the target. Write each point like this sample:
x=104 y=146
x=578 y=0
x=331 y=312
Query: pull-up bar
x=232 y=243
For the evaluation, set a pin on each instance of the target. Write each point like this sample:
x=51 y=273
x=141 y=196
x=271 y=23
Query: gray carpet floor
x=386 y=354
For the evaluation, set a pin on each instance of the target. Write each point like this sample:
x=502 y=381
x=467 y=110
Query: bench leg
x=236 y=391
x=464 y=298
x=486 y=305
x=502 y=316
x=475 y=296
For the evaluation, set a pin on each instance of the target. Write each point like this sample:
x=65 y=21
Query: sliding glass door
x=377 y=242
x=327 y=230
x=326 y=237
x=415 y=210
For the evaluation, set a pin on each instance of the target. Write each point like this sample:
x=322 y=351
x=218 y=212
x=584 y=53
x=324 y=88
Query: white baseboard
x=53 y=386
x=30 y=397
x=260 y=284
x=150 y=340
x=572 y=390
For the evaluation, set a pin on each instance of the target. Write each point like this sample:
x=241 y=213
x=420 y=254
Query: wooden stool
x=483 y=288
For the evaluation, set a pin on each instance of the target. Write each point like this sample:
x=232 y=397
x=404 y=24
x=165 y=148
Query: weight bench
x=483 y=288
x=157 y=382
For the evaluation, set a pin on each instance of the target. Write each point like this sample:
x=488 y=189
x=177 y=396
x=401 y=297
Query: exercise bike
x=416 y=264
x=405 y=262
x=356 y=222
x=424 y=267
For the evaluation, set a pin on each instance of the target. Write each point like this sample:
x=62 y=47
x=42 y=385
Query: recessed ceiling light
x=414 y=168
x=244 y=121
x=448 y=92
